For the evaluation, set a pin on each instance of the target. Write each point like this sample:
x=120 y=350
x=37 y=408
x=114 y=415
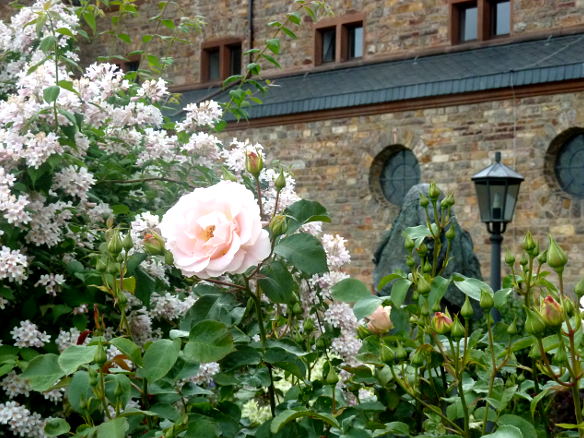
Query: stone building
x=387 y=93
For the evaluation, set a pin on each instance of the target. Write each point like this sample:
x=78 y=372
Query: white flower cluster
x=14 y=385
x=287 y=195
x=337 y=254
x=13 y=265
x=141 y=326
x=51 y=282
x=48 y=221
x=205 y=148
x=28 y=335
x=67 y=338
x=205 y=374
x=206 y=113
x=255 y=413
x=157 y=145
x=21 y=421
x=234 y=155
x=155 y=90
x=12 y=206
x=340 y=315
x=75 y=181
x=143 y=223
x=169 y=306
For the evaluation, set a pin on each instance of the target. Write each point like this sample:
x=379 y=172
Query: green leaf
x=125 y=38
x=115 y=428
x=278 y=284
x=271 y=60
x=501 y=297
x=471 y=286
x=350 y=290
x=506 y=431
x=304 y=252
x=43 y=372
x=388 y=279
x=438 y=289
x=79 y=390
x=522 y=424
x=89 y=18
x=288 y=32
x=399 y=291
x=273 y=45
x=294 y=17
x=366 y=306
x=51 y=94
x=397 y=427
x=289 y=415
x=56 y=427
x=209 y=341
x=304 y=211
x=67 y=85
x=47 y=44
x=417 y=234
x=286 y=361
x=159 y=359
x=400 y=319
x=129 y=348
x=129 y=284
x=75 y=356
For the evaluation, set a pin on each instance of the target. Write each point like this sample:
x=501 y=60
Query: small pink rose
x=379 y=321
x=215 y=230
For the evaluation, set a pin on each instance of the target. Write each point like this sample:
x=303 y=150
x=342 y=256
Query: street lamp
x=497 y=190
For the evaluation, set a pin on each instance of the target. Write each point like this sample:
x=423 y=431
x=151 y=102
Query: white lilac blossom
x=27 y=334
x=51 y=282
x=206 y=113
x=14 y=385
x=205 y=374
x=157 y=145
x=204 y=147
x=13 y=265
x=170 y=306
x=340 y=315
x=140 y=326
x=75 y=181
x=67 y=338
x=154 y=89
x=80 y=309
x=143 y=223
x=337 y=254
x=21 y=421
x=287 y=195
x=54 y=395
x=347 y=346
x=48 y=220
x=319 y=287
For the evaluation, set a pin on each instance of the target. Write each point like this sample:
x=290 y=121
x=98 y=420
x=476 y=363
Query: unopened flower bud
x=308 y=325
x=417 y=358
x=422 y=250
x=450 y=233
x=153 y=244
x=331 y=377
x=524 y=261
x=556 y=257
x=579 y=288
x=400 y=352
x=100 y=355
x=423 y=201
x=447 y=202
x=280 y=181
x=568 y=306
x=425 y=308
x=528 y=243
x=297 y=309
x=410 y=261
x=409 y=243
x=114 y=245
x=254 y=163
x=423 y=286
x=551 y=312
x=427 y=268
x=467 y=311
x=509 y=259
x=113 y=268
x=441 y=323
x=278 y=225
x=486 y=301
x=534 y=323
x=101 y=265
x=380 y=320
x=457 y=331
x=127 y=243
x=542 y=257
x=512 y=328
x=387 y=354
x=383 y=375
x=433 y=192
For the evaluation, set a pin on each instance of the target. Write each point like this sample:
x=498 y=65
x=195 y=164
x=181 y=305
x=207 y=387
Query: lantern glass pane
x=497 y=201
x=511 y=202
x=483 y=197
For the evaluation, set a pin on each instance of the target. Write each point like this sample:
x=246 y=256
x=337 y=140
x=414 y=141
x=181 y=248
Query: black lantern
x=497 y=190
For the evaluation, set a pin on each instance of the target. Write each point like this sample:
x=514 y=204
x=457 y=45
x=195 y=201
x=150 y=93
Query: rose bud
x=542 y=257
x=387 y=354
x=457 y=330
x=528 y=243
x=254 y=163
x=278 y=225
x=379 y=321
x=486 y=301
x=512 y=329
x=423 y=201
x=534 y=323
x=433 y=192
x=556 y=257
x=127 y=243
x=551 y=312
x=450 y=233
x=153 y=244
x=447 y=202
x=409 y=243
x=280 y=182
x=467 y=311
x=400 y=352
x=509 y=259
x=579 y=288
x=441 y=323
x=423 y=286
x=114 y=244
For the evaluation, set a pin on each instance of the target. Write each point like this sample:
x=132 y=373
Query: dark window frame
x=486 y=20
x=342 y=26
x=226 y=48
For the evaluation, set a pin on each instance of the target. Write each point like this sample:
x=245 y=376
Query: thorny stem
x=458 y=374
x=548 y=366
x=260 y=203
x=493 y=372
x=224 y=283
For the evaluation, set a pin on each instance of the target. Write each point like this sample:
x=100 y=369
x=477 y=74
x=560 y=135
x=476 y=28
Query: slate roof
x=524 y=63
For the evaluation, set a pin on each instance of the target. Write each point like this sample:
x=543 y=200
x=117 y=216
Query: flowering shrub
x=157 y=282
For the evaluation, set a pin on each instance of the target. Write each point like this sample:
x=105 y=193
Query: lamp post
x=497 y=190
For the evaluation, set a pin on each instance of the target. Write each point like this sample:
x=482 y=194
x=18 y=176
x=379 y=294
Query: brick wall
x=332 y=159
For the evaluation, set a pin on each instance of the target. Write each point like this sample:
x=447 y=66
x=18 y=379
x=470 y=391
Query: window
x=220 y=59
x=569 y=165
x=479 y=20
x=339 y=39
x=394 y=171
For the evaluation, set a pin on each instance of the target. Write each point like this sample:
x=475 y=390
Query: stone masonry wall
x=332 y=159
x=393 y=28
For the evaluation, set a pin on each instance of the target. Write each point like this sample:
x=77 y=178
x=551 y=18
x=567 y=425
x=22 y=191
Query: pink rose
x=380 y=321
x=215 y=230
